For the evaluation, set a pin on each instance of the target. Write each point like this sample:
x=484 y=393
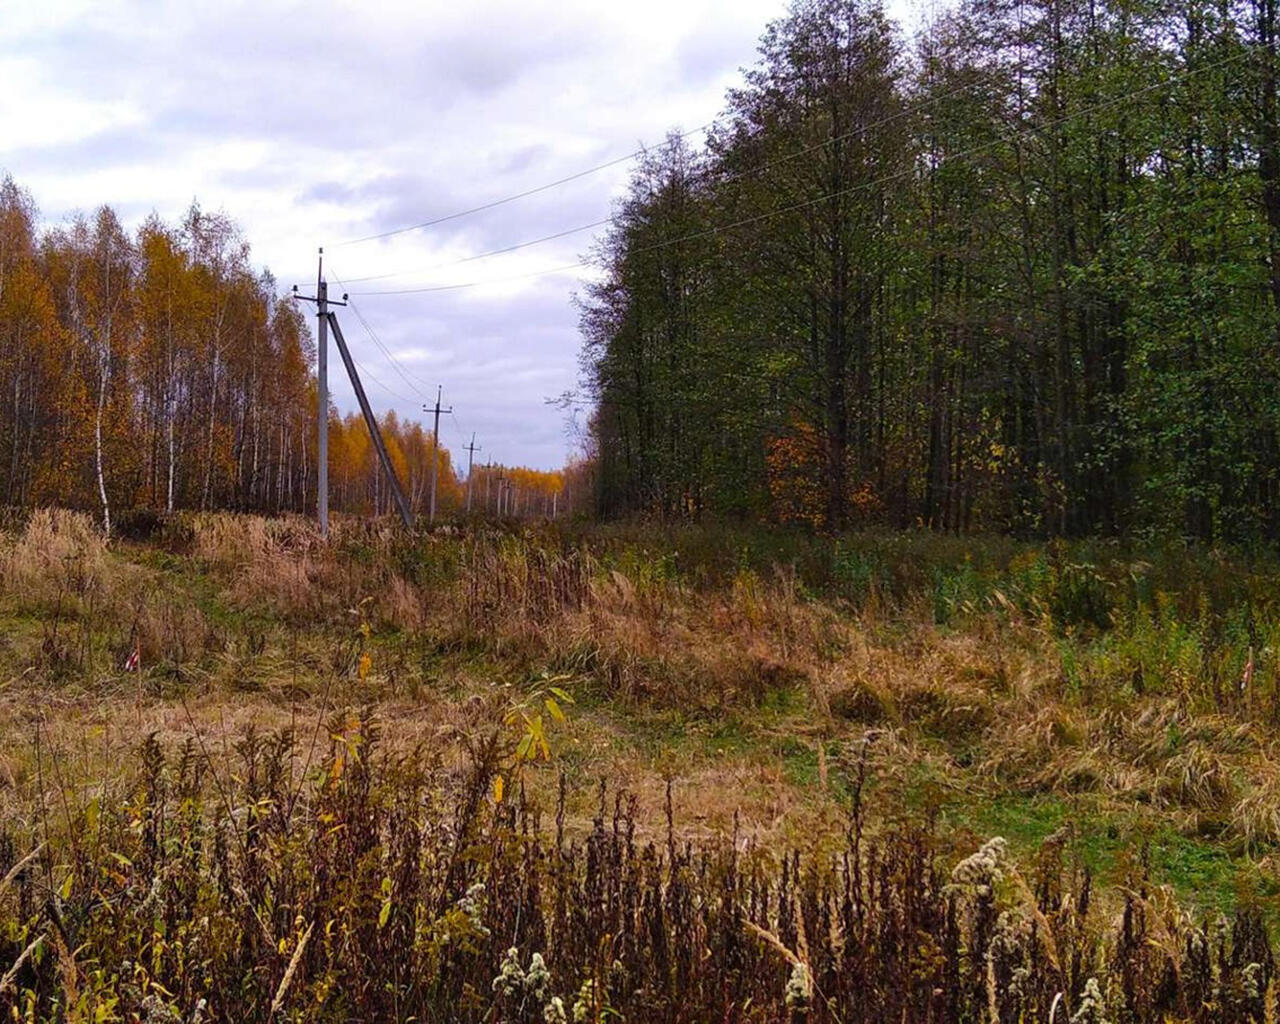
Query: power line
x=759 y=168
x=365 y=372
x=399 y=367
x=396 y=365
x=708 y=232
x=475 y=284
x=485 y=255
x=402 y=370
x=512 y=198
x=462 y=434
x=394 y=394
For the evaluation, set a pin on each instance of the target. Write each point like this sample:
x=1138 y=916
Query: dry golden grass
x=761 y=705
x=59 y=558
x=259 y=622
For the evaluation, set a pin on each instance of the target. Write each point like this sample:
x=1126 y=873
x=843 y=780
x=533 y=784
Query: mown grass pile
x=368 y=890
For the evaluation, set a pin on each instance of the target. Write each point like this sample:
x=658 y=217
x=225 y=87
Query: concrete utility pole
x=321 y=299
x=329 y=319
x=435 y=448
x=322 y=400
x=472 y=448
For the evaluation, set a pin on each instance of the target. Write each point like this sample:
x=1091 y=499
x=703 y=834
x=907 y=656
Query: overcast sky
x=315 y=124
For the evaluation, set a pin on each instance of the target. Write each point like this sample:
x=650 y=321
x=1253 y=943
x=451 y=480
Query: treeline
x=517 y=492
x=1020 y=272
x=159 y=370
x=151 y=369
x=357 y=483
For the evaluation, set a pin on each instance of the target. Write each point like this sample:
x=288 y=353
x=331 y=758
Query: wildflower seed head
x=537 y=979
x=156 y=1011
x=472 y=905
x=1253 y=984
x=980 y=872
x=799 y=995
x=1092 y=1006
x=510 y=980
x=584 y=1005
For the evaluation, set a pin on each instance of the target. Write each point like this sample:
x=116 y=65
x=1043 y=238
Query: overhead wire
x=463 y=440
x=364 y=371
x=410 y=378
x=475 y=284
x=395 y=363
x=737 y=176
x=405 y=374
x=709 y=232
x=972 y=151
x=513 y=198
x=485 y=255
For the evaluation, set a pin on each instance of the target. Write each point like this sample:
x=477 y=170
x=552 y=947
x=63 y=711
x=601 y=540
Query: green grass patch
x=1118 y=847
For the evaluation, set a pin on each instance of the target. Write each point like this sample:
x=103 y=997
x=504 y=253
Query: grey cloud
x=113 y=147
x=524 y=159
x=498 y=359
x=708 y=53
x=434 y=117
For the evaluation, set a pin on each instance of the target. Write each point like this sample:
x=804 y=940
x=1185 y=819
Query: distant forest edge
x=1018 y=273
x=161 y=371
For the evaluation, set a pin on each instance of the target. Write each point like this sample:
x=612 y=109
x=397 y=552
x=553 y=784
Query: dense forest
x=1020 y=272
x=160 y=370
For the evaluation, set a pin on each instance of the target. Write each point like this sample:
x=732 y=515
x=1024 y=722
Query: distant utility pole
x=435 y=448
x=472 y=448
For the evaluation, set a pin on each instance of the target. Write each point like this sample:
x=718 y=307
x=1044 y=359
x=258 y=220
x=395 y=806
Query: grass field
x=704 y=773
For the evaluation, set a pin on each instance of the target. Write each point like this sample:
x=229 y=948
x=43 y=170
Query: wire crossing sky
x=474 y=146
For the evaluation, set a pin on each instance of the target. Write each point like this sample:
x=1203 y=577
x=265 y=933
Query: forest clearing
x=885 y=777
x=821 y=566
